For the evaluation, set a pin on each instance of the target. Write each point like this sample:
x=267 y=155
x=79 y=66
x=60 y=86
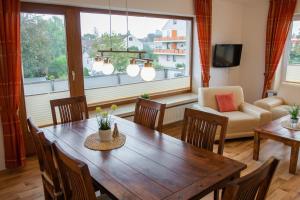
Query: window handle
x=73 y=75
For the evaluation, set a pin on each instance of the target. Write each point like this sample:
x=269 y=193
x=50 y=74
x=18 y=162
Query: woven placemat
x=287 y=124
x=93 y=142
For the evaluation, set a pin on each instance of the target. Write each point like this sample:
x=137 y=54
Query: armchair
x=241 y=122
x=288 y=94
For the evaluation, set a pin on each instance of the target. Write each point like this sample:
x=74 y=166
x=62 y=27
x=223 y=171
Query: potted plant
x=294 y=113
x=105 y=123
x=145 y=96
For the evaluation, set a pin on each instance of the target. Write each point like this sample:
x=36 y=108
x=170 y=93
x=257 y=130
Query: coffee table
x=275 y=131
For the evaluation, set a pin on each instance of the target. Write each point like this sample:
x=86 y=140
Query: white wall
x=2 y=162
x=253 y=56
x=227 y=24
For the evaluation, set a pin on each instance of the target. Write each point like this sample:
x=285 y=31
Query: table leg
x=256 y=146
x=294 y=158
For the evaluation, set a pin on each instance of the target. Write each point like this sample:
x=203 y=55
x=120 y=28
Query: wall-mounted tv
x=227 y=55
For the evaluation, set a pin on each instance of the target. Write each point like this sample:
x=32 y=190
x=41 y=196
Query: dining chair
x=146 y=112
x=75 y=176
x=70 y=109
x=253 y=186
x=51 y=184
x=200 y=128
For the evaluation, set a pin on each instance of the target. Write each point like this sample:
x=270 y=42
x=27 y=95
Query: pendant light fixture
x=98 y=64
x=132 y=69
x=148 y=72
x=107 y=68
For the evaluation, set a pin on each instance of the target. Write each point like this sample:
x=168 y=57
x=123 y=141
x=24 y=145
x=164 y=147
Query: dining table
x=150 y=165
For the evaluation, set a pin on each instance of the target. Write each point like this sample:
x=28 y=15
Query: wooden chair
x=70 y=109
x=253 y=186
x=51 y=184
x=75 y=176
x=146 y=112
x=200 y=128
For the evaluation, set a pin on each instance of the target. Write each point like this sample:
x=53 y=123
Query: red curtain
x=279 y=20
x=203 y=11
x=10 y=82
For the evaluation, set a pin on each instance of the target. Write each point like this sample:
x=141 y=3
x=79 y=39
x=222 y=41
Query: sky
x=138 y=26
x=296 y=27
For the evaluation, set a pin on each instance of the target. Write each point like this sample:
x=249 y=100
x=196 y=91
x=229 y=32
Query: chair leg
x=216 y=194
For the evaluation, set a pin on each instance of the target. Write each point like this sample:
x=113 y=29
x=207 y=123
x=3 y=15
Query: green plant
x=104 y=117
x=145 y=96
x=180 y=66
x=294 y=111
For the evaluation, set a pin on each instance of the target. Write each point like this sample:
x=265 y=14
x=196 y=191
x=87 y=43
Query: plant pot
x=294 y=122
x=105 y=135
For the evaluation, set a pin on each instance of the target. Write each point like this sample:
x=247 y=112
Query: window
x=293 y=67
x=46 y=29
x=44 y=61
x=150 y=34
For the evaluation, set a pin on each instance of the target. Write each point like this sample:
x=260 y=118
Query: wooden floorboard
x=26 y=183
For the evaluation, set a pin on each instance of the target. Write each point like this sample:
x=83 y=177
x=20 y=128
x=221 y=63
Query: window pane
x=166 y=42
x=293 y=68
x=44 y=63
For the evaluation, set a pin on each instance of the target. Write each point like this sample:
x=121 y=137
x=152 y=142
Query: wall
x=253 y=56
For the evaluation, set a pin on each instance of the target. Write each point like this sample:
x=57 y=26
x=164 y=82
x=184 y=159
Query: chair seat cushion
x=241 y=122
x=279 y=111
x=225 y=102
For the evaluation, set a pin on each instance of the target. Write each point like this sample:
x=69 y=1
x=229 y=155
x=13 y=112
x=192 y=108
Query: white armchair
x=288 y=94
x=241 y=122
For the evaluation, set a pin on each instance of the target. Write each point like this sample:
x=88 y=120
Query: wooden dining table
x=150 y=165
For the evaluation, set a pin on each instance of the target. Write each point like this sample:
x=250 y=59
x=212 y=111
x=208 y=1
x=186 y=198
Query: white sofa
x=241 y=122
x=288 y=94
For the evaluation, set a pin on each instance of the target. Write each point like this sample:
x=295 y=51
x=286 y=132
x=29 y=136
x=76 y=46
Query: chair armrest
x=264 y=115
x=206 y=109
x=269 y=103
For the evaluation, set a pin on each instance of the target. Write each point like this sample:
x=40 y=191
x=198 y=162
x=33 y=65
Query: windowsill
x=127 y=110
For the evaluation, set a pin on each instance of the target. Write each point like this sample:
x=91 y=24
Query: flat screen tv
x=227 y=55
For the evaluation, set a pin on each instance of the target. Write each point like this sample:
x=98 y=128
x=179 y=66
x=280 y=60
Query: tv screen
x=227 y=55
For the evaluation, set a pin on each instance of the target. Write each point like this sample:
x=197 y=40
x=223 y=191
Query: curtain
x=203 y=11
x=10 y=82
x=279 y=21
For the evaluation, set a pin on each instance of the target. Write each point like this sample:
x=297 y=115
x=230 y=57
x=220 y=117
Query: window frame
x=285 y=57
x=74 y=46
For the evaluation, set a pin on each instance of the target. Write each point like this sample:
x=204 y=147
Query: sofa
x=241 y=122
x=288 y=94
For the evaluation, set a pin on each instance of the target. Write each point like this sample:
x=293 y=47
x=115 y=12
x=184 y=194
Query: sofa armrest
x=206 y=109
x=264 y=115
x=269 y=103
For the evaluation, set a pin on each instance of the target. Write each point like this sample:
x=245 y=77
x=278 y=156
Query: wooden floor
x=26 y=183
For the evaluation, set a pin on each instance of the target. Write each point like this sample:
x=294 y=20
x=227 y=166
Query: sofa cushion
x=280 y=111
x=241 y=122
x=225 y=102
x=290 y=92
x=207 y=96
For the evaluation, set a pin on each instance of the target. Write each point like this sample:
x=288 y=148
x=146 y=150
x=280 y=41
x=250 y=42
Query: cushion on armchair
x=225 y=102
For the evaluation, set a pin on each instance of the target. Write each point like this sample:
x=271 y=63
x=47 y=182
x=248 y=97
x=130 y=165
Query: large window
x=293 y=67
x=52 y=64
x=44 y=61
x=166 y=42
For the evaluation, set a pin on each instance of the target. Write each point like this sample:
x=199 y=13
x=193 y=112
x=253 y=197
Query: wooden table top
x=150 y=165
x=275 y=129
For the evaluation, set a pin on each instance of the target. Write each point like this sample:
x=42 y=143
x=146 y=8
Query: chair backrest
x=146 y=112
x=207 y=96
x=289 y=92
x=75 y=176
x=253 y=186
x=70 y=109
x=34 y=132
x=51 y=172
x=200 y=128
